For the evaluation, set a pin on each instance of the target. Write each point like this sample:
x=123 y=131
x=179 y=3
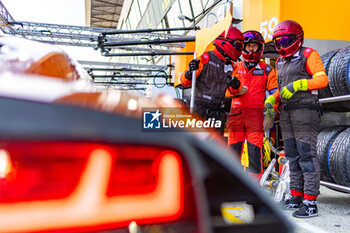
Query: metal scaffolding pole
x=146 y=54
x=128 y=76
x=149 y=30
x=149 y=42
x=123 y=69
x=335 y=99
x=5 y=18
x=96 y=64
x=335 y=186
x=124 y=88
x=128 y=83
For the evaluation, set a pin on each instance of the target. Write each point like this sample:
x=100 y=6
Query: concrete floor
x=334 y=214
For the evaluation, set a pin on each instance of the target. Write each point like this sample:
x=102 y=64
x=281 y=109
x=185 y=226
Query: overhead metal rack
x=102 y=38
x=122 y=73
x=128 y=83
x=78 y=35
x=146 y=54
x=81 y=35
x=106 y=45
x=128 y=76
x=116 y=65
x=148 y=30
x=122 y=69
x=5 y=18
x=123 y=88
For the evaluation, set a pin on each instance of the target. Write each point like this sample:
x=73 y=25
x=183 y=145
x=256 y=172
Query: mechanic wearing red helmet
x=215 y=73
x=247 y=111
x=300 y=74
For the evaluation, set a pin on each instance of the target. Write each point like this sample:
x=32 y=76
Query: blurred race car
x=73 y=159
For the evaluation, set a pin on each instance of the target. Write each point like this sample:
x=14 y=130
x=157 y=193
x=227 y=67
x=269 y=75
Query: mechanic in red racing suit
x=215 y=72
x=246 y=119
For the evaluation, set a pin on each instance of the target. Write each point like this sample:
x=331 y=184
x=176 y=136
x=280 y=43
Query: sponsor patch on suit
x=228 y=68
x=214 y=64
x=258 y=72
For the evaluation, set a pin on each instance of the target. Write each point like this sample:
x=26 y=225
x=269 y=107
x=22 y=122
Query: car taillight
x=5 y=164
x=41 y=171
x=83 y=186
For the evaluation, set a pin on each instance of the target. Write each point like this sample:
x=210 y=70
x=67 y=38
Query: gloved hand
x=235 y=83
x=289 y=90
x=268 y=123
x=193 y=65
x=269 y=110
x=243 y=90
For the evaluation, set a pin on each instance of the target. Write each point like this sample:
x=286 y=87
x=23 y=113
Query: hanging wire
x=160 y=76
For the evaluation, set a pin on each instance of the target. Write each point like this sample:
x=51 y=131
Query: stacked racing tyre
x=324 y=142
x=339 y=158
x=339 y=73
x=338 y=68
x=326 y=60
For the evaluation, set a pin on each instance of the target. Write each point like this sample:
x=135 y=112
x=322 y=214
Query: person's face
x=251 y=47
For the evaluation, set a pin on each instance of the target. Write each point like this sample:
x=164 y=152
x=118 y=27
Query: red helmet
x=253 y=37
x=232 y=45
x=288 y=37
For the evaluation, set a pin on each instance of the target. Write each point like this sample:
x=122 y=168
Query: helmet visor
x=252 y=37
x=284 y=41
x=237 y=44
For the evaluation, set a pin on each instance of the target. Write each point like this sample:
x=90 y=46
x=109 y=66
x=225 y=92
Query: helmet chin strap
x=251 y=65
x=223 y=53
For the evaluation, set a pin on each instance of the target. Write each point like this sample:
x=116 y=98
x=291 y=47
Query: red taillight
x=41 y=171
x=5 y=164
x=134 y=170
x=68 y=185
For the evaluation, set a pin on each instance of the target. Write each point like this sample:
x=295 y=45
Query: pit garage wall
x=325 y=23
x=326 y=26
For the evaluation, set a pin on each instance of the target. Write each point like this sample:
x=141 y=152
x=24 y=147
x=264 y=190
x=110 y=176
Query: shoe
x=307 y=209
x=293 y=202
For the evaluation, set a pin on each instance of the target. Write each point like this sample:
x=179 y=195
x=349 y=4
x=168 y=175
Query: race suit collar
x=296 y=54
x=218 y=54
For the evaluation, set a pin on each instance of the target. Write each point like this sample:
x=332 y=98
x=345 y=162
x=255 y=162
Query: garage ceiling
x=103 y=13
